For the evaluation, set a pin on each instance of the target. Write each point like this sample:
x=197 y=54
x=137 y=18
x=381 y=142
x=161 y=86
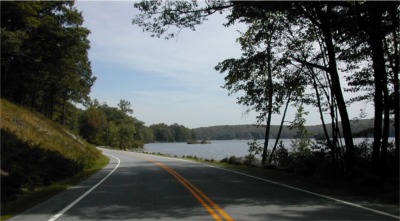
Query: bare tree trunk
x=329 y=143
x=336 y=87
x=397 y=113
x=337 y=91
x=280 y=129
x=375 y=39
x=396 y=69
x=385 y=134
x=270 y=93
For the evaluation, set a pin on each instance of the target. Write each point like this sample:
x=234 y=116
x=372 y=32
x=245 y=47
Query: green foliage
x=111 y=126
x=171 y=133
x=114 y=127
x=125 y=106
x=254 y=150
x=162 y=133
x=44 y=59
x=143 y=133
x=302 y=143
x=282 y=158
x=92 y=125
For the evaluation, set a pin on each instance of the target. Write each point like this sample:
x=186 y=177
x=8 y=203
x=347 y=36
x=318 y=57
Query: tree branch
x=310 y=64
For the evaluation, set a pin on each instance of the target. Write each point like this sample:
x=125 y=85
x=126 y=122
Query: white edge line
x=86 y=193
x=312 y=193
x=290 y=187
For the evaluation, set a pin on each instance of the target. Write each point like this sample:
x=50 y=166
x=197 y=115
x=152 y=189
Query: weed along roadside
x=39 y=158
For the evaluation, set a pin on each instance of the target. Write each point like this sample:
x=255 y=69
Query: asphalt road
x=142 y=187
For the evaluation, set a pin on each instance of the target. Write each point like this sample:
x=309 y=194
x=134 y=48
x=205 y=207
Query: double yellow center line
x=216 y=212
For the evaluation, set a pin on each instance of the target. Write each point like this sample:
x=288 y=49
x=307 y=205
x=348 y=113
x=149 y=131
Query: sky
x=168 y=81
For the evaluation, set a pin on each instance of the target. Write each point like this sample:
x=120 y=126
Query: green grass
x=39 y=158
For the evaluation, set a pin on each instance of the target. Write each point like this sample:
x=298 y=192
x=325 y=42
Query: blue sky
x=169 y=81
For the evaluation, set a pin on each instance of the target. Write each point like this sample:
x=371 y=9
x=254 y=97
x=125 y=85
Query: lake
x=217 y=150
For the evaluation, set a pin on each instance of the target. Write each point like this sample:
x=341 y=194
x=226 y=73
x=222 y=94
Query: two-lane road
x=142 y=187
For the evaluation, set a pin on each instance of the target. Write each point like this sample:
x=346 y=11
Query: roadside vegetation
x=293 y=53
x=298 y=53
x=37 y=155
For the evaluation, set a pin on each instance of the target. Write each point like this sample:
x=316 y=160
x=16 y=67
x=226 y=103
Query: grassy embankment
x=39 y=158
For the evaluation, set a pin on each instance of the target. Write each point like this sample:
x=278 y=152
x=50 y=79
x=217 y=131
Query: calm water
x=217 y=150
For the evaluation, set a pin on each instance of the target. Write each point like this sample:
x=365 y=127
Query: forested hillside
x=45 y=67
x=360 y=128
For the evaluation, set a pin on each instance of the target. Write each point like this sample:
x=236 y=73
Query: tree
x=261 y=70
x=143 y=133
x=93 y=123
x=162 y=133
x=125 y=106
x=180 y=133
x=171 y=133
x=120 y=131
x=113 y=127
x=375 y=46
x=321 y=36
x=44 y=60
x=377 y=13
x=302 y=143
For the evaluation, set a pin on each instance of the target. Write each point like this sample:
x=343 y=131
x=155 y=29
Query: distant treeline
x=104 y=125
x=360 y=128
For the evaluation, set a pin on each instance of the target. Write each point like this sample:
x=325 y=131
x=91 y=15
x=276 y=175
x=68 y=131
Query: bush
x=232 y=159
x=282 y=159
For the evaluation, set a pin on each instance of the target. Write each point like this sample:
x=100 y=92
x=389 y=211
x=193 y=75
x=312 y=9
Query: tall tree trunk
x=385 y=132
x=396 y=69
x=329 y=143
x=337 y=91
x=280 y=129
x=397 y=119
x=397 y=112
x=270 y=94
x=325 y=23
x=374 y=31
x=323 y=20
